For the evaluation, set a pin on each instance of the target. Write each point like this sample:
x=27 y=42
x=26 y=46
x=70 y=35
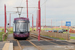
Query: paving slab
x=57 y=47
x=2 y=43
x=25 y=43
x=41 y=43
x=30 y=48
x=14 y=43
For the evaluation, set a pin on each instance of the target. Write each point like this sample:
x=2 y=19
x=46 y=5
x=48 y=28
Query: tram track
x=67 y=45
x=20 y=46
x=45 y=39
x=34 y=45
x=42 y=38
x=23 y=44
x=52 y=41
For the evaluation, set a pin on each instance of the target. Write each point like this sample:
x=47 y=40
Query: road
x=72 y=35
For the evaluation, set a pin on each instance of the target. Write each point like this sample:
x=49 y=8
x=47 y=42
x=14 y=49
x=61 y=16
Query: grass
x=5 y=38
x=61 y=39
x=55 y=37
x=49 y=29
x=0 y=38
x=1 y=28
x=72 y=37
x=10 y=32
x=1 y=33
x=67 y=33
x=72 y=33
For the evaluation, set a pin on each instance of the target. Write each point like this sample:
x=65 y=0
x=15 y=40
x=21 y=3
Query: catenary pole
x=39 y=20
x=9 y=21
x=5 y=18
x=51 y=24
x=32 y=22
x=27 y=7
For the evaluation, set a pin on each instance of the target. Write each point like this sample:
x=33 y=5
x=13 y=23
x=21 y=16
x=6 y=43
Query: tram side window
x=14 y=27
x=17 y=27
x=25 y=26
x=28 y=26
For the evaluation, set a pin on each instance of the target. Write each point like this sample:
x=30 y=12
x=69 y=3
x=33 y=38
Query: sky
x=55 y=10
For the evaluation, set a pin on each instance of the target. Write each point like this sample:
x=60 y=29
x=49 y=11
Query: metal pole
x=55 y=24
x=51 y=24
x=68 y=32
x=39 y=20
x=61 y=23
x=5 y=18
x=32 y=22
x=36 y=23
x=9 y=21
x=45 y=14
x=27 y=7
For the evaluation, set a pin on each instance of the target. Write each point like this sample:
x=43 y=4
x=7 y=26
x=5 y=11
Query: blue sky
x=56 y=10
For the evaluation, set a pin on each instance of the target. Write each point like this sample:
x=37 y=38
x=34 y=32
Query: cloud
x=55 y=10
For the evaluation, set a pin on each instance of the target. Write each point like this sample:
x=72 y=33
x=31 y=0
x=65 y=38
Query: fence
x=51 y=34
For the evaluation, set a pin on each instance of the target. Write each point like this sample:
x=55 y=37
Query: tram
x=21 y=27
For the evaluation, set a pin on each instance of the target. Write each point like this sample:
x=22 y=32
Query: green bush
x=10 y=32
x=1 y=34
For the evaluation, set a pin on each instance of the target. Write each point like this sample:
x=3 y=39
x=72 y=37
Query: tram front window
x=21 y=27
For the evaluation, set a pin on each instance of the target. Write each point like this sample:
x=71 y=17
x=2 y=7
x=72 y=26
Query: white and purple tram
x=21 y=28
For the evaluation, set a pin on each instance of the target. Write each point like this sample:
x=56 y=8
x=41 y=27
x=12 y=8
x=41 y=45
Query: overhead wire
x=34 y=10
x=21 y=2
x=44 y=3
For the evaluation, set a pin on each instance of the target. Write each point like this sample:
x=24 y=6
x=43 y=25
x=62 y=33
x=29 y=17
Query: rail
x=20 y=47
x=33 y=35
x=19 y=44
x=34 y=45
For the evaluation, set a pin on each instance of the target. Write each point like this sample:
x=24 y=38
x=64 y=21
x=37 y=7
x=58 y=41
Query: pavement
x=10 y=37
x=1 y=45
x=44 y=45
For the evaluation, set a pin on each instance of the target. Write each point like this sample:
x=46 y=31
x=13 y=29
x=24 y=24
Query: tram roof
x=21 y=18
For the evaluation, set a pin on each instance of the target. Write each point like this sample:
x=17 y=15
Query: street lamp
x=32 y=22
x=27 y=7
x=5 y=18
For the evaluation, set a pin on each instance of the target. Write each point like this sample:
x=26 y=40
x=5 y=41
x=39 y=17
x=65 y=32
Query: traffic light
x=8 y=23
